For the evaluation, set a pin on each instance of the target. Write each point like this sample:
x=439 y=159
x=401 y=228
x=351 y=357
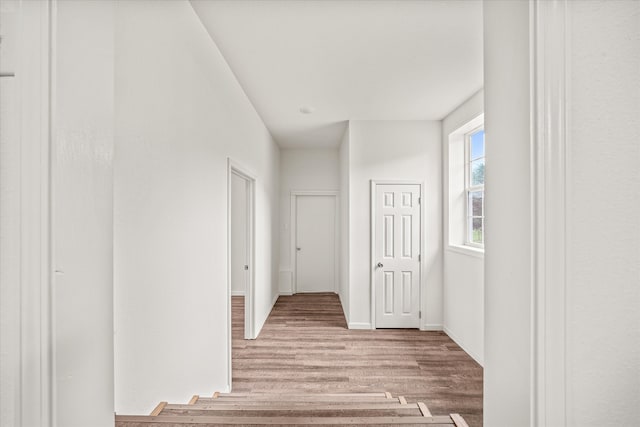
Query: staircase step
x=292 y=409
x=308 y=411
x=296 y=398
x=123 y=420
x=293 y=394
x=284 y=404
x=256 y=406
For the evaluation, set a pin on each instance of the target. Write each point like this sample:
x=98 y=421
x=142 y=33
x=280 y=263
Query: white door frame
x=34 y=389
x=372 y=278
x=294 y=221
x=551 y=228
x=233 y=168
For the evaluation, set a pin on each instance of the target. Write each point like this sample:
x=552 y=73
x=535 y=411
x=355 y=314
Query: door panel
x=239 y=235
x=397 y=250
x=315 y=243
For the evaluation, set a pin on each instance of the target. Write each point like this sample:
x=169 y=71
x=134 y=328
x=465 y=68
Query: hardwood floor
x=305 y=346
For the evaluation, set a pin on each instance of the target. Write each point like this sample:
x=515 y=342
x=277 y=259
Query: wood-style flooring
x=305 y=347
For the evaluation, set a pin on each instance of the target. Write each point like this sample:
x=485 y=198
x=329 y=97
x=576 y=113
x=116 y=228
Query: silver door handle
x=380 y=265
x=297 y=249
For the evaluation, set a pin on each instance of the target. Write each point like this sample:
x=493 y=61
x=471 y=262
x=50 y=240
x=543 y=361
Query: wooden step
x=292 y=405
x=290 y=394
x=296 y=398
x=254 y=406
x=122 y=420
x=158 y=409
x=367 y=410
x=293 y=413
x=332 y=409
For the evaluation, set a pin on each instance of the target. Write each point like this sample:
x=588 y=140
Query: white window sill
x=467 y=250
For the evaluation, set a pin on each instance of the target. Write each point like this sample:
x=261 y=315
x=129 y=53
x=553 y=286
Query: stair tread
x=301 y=412
x=298 y=406
x=266 y=393
x=298 y=398
x=279 y=420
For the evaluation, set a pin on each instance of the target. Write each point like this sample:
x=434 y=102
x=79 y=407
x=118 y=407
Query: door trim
x=35 y=377
x=294 y=221
x=552 y=194
x=372 y=243
x=234 y=168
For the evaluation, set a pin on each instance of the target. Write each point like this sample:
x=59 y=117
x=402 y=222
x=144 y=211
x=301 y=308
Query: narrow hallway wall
x=180 y=113
x=82 y=213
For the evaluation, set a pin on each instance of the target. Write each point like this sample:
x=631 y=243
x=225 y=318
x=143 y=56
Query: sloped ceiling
x=366 y=60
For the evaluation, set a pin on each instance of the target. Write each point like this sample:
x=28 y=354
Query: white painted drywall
x=312 y=169
x=508 y=271
x=463 y=270
x=238 y=234
x=82 y=207
x=180 y=114
x=603 y=291
x=343 y=162
x=603 y=206
x=395 y=150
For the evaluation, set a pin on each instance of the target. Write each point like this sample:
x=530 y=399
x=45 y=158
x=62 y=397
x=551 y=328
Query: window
x=474 y=187
x=464 y=188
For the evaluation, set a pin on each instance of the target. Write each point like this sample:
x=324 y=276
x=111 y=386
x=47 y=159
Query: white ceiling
x=366 y=60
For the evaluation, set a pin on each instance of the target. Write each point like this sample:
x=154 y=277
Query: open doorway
x=240 y=247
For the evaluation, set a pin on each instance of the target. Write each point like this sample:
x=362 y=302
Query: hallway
x=304 y=346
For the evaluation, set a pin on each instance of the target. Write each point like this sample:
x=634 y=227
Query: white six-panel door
x=397 y=255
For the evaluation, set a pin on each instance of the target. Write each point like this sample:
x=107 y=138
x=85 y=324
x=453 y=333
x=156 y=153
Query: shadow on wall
x=318 y=136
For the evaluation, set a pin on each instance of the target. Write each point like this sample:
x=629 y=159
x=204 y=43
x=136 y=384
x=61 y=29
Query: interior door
x=397 y=255
x=239 y=235
x=315 y=243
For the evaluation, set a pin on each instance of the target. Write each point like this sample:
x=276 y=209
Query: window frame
x=469 y=188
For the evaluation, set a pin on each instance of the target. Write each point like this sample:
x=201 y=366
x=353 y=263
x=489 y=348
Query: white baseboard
x=431 y=327
x=275 y=298
x=286 y=293
x=237 y=293
x=475 y=356
x=359 y=325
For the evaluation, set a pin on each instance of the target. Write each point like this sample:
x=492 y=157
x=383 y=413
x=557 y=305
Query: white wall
x=311 y=169
x=602 y=379
x=463 y=268
x=394 y=150
x=82 y=203
x=345 y=265
x=238 y=234
x=603 y=292
x=508 y=207
x=179 y=114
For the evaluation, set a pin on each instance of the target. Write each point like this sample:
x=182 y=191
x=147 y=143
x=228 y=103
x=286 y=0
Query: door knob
x=297 y=249
x=380 y=265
